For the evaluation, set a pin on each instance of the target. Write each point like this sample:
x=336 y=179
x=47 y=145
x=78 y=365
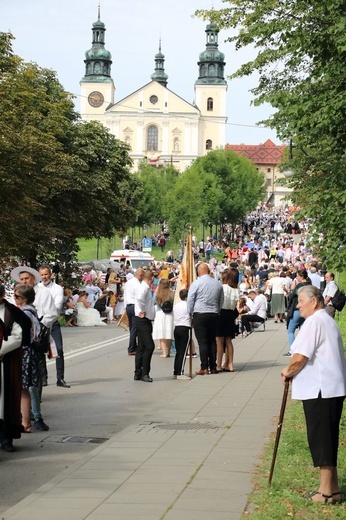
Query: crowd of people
x=267 y=271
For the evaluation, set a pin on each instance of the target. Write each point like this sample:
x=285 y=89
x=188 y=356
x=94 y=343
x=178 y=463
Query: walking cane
x=278 y=431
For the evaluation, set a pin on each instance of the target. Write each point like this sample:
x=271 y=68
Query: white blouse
x=320 y=341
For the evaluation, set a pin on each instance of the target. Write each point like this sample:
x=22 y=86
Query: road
x=103 y=400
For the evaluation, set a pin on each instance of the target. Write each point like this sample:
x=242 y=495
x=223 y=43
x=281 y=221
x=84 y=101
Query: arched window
x=210 y=104
x=208 y=144
x=152 y=138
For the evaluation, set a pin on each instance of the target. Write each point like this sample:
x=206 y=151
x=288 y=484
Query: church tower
x=159 y=75
x=97 y=87
x=210 y=93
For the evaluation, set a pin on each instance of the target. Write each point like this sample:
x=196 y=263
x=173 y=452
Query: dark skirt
x=322 y=423
x=226 y=326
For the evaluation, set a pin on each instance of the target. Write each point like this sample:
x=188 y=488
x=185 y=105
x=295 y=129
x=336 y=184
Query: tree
x=301 y=52
x=60 y=179
x=156 y=183
x=240 y=186
x=219 y=187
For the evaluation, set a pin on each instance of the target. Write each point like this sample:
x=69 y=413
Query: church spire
x=159 y=74
x=211 y=61
x=98 y=60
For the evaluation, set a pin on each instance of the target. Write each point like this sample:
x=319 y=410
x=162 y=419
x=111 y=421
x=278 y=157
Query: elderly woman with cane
x=318 y=369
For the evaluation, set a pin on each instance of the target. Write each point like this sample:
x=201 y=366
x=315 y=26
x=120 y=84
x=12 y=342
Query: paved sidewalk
x=192 y=459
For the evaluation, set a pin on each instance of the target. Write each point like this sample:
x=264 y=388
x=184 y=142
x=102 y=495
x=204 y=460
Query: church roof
x=266 y=153
x=127 y=106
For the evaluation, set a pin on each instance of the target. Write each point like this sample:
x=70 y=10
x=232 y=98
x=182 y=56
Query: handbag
x=167 y=307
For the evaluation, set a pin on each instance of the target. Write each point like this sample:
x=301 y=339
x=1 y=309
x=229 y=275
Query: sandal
x=27 y=429
x=326 y=497
x=338 y=500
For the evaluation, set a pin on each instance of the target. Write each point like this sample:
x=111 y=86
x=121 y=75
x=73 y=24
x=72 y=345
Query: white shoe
x=183 y=377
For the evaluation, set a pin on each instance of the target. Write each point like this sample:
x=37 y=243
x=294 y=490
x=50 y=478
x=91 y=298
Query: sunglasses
x=16 y=296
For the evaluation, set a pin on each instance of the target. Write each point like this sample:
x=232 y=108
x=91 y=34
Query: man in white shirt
x=314 y=277
x=57 y=293
x=258 y=312
x=329 y=292
x=144 y=315
x=130 y=289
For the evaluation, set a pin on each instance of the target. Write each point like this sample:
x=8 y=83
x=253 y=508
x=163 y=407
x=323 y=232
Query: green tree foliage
x=219 y=187
x=155 y=184
x=301 y=54
x=60 y=179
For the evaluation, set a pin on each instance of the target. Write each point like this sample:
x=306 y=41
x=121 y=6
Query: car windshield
x=139 y=263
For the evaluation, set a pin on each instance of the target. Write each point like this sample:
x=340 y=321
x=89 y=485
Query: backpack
x=42 y=344
x=167 y=307
x=339 y=300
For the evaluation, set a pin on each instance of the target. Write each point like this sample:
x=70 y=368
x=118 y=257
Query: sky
x=56 y=33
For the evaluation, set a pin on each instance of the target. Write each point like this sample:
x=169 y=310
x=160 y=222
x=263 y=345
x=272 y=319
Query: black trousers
x=146 y=346
x=246 y=319
x=130 y=311
x=181 y=338
x=322 y=418
x=60 y=363
x=205 y=330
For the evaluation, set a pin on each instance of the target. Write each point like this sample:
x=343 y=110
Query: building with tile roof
x=267 y=158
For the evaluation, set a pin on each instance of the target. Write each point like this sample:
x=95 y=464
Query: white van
x=132 y=259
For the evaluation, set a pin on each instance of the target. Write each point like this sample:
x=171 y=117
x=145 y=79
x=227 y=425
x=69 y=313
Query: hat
x=25 y=269
x=129 y=276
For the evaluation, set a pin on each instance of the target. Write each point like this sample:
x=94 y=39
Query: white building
x=155 y=122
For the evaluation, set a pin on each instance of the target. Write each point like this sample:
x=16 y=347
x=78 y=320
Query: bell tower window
x=209 y=144
x=152 y=138
x=210 y=104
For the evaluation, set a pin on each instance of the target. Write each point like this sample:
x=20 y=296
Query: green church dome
x=211 y=60
x=98 y=60
x=159 y=74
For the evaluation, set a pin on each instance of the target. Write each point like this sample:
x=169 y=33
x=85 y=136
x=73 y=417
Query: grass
x=294 y=476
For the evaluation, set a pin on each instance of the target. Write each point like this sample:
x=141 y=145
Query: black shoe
x=44 y=382
x=8 y=446
x=40 y=425
x=287 y=354
x=147 y=379
x=62 y=382
x=137 y=377
x=214 y=371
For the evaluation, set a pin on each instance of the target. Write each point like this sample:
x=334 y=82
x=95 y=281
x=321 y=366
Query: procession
x=172 y=260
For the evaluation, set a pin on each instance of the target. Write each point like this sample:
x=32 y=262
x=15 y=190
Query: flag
x=187 y=272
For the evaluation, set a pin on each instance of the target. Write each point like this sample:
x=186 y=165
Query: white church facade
x=156 y=123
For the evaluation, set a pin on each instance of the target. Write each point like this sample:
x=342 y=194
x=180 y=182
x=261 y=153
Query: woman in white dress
x=87 y=317
x=163 y=329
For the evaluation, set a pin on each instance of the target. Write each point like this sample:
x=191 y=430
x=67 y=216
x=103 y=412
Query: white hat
x=25 y=269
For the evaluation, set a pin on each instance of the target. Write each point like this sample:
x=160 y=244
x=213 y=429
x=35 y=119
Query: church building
x=155 y=122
